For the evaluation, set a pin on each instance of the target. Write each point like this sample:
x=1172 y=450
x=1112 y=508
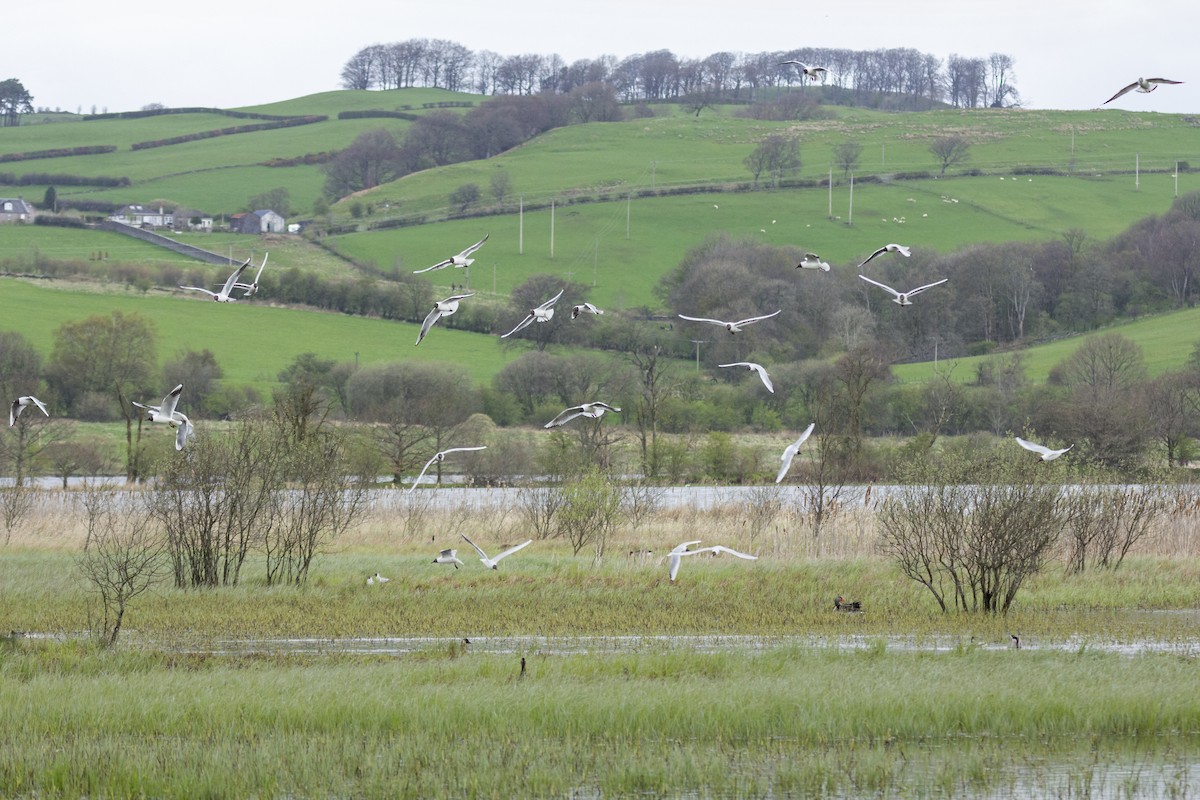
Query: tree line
x=872 y=77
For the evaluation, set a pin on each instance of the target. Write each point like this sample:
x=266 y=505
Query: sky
x=74 y=56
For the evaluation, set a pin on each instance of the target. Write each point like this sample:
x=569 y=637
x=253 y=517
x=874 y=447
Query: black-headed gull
x=675 y=557
x=593 y=410
x=448 y=556
x=494 y=563
x=732 y=327
x=230 y=283
x=20 y=404
x=813 y=73
x=1045 y=452
x=167 y=414
x=887 y=248
x=585 y=308
x=463 y=259
x=440 y=456
x=1144 y=85
x=377 y=580
x=542 y=313
x=813 y=261
x=442 y=308
x=903 y=298
x=750 y=365
x=790 y=451
x=252 y=287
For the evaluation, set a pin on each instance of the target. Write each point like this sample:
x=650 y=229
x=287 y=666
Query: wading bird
x=887 y=248
x=1144 y=85
x=20 y=405
x=790 y=451
x=590 y=410
x=543 y=313
x=463 y=259
x=732 y=327
x=750 y=365
x=839 y=604
x=494 y=563
x=903 y=298
x=440 y=457
x=442 y=308
x=1045 y=452
x=230 y=283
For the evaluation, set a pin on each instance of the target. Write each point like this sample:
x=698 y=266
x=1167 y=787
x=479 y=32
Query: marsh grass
x=75 y=721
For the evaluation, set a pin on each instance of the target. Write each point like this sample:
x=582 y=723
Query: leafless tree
x=846 y=156
x=776 y=156
x=1105 y=522
x=950 y=150
x=590 y=511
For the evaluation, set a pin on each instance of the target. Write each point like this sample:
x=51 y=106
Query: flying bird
x=1045 y=452
x=593 y=410
x=20 y=404
x=750 y=365
x=1144 y=85
x=887 y=248
x=790 y=451
x=903 y=298
x=585 y=308
x=732 y=327
x=813 y=73
x=543 y=313
x=463 y=259
x=166 y=413
x=675 y=557
x=813 y=261
x=448 y=556
x=252 y=287
x=230 y=283
x=442 y=308
x=494 y=563
x=439 y=457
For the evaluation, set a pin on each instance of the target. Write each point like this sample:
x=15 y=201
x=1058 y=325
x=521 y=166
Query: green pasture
x=251 y=341
x=22 y=245
x=1167 y=341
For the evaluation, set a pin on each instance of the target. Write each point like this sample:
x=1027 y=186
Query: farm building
x=262 y=221
x=142 y=217
x=15 y=210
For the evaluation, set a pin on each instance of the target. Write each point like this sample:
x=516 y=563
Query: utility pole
x=521 y=227
x=653 y=169
x=831 y=191
x=850 y=218
x=628 y=204
x=698 y=342
x=595 y=258
x=552 y=229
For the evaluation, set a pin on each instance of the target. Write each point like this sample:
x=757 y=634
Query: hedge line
x=156 y=112
x=377 y=112
x=59 y=222
x=286 y=122
x=48 y=179
x=60 y=152
x=307 y=158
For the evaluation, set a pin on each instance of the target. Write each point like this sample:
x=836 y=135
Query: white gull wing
x=758 y=368
x=169 y=402
x=482 y=555
x=920 y=289
x=722 y=323
x=525 y=323
x=439 y=456
x=473 y=247
x=758 y=319
x=233 y=278
x=790 y=452
x=552 y=300
x=430 y=318
x=439 y=265
x=585 y=307
x=1046 y=453
x=881 y=285
x=183 y=432
x=565 y=416
x=718 y=548
x=512 y=550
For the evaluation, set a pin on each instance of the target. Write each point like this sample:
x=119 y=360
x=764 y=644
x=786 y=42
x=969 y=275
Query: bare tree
x=950 y=150
x=846 y=155
x=776 y=156
x=591 y=508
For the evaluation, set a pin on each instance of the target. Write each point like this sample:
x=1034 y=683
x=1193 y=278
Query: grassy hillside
x=252 y=342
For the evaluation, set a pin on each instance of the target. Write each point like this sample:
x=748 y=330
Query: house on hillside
x=142 y=217
x=263 y=221
x=15 y=209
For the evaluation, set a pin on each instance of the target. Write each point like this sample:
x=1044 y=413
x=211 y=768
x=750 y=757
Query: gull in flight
x=252 y=287
x=813 y=261
x=440 y=457
x=732 y=327
x=19 y=405
x=750 y=365
x=543 y=313
x=675 y=557
x=813 y=73
x=377 y=579
x=448 y=556
x=463 y=259
x=166 y=413
x=1045 y=452
x=585 y=308
x=887 y=248
x=442 y=308
x=590 y=410
x=903 y=298
x=790 y=452
x=1145 y=85
x=230 y=283
x=494 y=563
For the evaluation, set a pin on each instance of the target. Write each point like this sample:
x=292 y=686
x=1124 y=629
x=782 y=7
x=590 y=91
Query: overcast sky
x=75 y=55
